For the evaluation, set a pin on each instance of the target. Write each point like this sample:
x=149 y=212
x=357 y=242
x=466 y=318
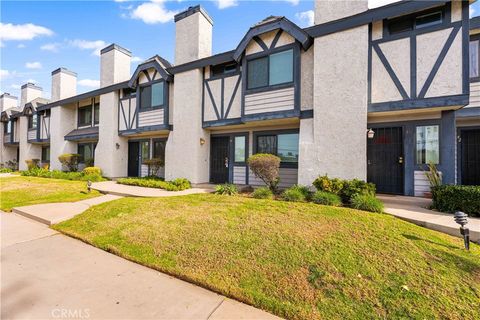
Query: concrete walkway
x=51 y=213
x=414 y=209
x=46 y=275
x=111 y=187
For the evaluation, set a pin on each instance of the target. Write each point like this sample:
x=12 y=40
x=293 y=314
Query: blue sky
x=37 y=37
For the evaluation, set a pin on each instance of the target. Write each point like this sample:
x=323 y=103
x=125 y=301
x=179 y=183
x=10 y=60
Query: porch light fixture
x=117 y=145
x=202 y=141
x=461 y=218
x=370 y=133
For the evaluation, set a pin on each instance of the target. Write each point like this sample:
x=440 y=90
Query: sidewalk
x=51 y=213
x=414 y=209
x=46 y=274
x=111 y=187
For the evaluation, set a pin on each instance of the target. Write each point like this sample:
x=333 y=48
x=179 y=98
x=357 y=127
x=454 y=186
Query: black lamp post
x=89 y=186
x=461 y=219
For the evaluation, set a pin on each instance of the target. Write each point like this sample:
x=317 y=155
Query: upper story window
x=152 y=96
x=6 y=127
x=224 y=68
x=283 y=145
x=32 y=121
x=128 y=92
x=89 y=115
x=276 y=68
x=47 y=113
x=416 y=21
x=474 y=63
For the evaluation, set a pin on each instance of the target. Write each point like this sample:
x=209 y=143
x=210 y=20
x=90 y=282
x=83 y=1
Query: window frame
x=423 y=165
x=43 y=160
x=86 y=107
x=224 y=74
x=150 y=84
x=268 y=53
x=93 y=146
x=276 y=133
x=153 y=147
x=239 y=163
x=31 y=121
x=445 y=11
x=475 y=37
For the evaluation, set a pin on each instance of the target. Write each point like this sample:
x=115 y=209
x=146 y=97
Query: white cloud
x=293 y=2
x=223 y=4
x=53 y=47
x=472 y=12
x=89 y=83
x=33 y=65
x=4 y=74
x=9 y=31
x=88 y=45
x=21 y=46
x=379 y=3
x=16 y=86
x=306 y=17
x=31 y=81
x=153 y=12
x=137 y=59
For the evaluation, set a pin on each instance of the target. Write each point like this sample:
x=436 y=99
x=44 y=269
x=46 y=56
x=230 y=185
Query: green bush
x=175 y=185
x=57 y=174
x=92 y=171
x=293 y=194
x=262 y=193
x=227 y=189
x=5 y=170
x=366 y=202
x=326 y=198
x=354 y=187
x=154 y=165
x=32 y=163
x=266 y=167
x=451 y=198
x=330 y=185
x=307 y=194
x=69 y=161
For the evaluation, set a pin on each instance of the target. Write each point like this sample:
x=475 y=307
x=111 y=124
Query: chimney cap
x=31 y=85
x=117 y=47
x=193 y=10
x=64 y=70
x=7 y=95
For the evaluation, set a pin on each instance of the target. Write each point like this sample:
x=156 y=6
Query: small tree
x=433 y=175
x=154 y=164
x=69 y=161
x=32 y=163
x=266 y=167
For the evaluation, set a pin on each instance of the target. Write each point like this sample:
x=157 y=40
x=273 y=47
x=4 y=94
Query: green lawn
x=24 y=191
x=296 y=260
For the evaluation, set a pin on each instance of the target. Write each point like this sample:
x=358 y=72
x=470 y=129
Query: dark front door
x=385 y=160
x=219 y=152
x=133 y=158
x=470 y=145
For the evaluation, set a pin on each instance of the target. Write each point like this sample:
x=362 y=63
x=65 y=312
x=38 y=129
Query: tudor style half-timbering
x=399 y=72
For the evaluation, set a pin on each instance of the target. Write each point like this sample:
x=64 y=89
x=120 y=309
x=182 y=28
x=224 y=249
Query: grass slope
x=24 y=191
x=296 y=260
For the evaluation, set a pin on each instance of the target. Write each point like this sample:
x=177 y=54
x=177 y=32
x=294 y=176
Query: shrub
x=90 y=162
x=266 y=167
x=366 y=202
x=303 y=190
x=433 y=176
x=57 y=174
x=262 y=193
x=154 y=164
x=46 y=166
x=293 y=194
x=5 y=170
x=324 y=183
x=326 y=198
x=92 y=171
x=69 y=161
x=354 y=187
x=12 y=164
x=451 y=198
x=32 y=163
x=226 y=189
x=175 y=185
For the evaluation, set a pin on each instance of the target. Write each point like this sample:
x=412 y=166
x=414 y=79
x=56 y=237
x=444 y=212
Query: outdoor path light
x=89 y=185
x=461 y=219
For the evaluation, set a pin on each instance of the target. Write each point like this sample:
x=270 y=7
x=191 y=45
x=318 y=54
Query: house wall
x=28 y=150
x=62 y=121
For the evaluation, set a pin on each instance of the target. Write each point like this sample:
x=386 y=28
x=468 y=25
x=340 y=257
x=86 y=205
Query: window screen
x=257 y=73
x=474 y=45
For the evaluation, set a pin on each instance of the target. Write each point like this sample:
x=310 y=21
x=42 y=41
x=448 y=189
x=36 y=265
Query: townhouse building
x=374 y=94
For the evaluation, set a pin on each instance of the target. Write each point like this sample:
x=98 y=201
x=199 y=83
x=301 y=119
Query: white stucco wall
x=62 y=121
x=7 y=153
x=64 y=85
x=193 y=38
x=306 y=78
x=112 y=161
x=185 y=157
x=28 y=93
x=338 y=130
x=114 y=67
x=328 y=10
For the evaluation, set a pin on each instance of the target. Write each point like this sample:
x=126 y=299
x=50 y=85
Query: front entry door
x=219 y=159
x=470 y=144
x=133 y=158
x=385 y=160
